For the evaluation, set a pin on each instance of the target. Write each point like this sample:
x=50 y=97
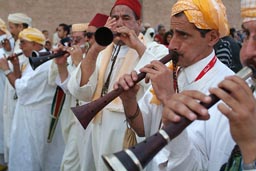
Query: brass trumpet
x=138 y=156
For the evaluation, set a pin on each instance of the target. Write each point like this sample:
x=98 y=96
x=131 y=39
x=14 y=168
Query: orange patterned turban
x=248 y=10
x=32 y=35
x=205 y=14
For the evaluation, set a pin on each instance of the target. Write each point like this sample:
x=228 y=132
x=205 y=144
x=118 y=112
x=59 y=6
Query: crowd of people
x=40 y=132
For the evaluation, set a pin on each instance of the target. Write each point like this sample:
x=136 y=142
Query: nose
x=87 y=39
x=173 y=44
x=250 y=46
x=119 y=22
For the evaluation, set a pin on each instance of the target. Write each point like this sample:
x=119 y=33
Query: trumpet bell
x=37 y=61
x=37 y=54
x=122 y=161
x=39 y=58
x=103 y=36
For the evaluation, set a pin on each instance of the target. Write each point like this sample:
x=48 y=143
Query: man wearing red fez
x=97 y=73
x=63 y=100
x=73 y=133
x=99 y=20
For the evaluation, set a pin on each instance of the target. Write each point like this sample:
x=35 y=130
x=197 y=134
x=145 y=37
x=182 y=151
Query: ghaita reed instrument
x=138 y=156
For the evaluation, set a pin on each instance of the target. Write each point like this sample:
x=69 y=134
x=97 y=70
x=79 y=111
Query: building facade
x=48 y=14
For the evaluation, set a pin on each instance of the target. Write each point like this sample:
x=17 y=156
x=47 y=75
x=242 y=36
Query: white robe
x=10 y=100
x=71 y=128
x=107 y=137
x=2 y=87
x=203 y=145
x=29 y=150
x=4 y=131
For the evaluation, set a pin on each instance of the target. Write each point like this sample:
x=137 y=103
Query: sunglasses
x=89 y=34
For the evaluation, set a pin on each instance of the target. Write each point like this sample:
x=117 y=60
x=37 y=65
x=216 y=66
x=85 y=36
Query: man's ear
x=66 y=33
x=213 y=37
x=139 y=22
x=20 y=27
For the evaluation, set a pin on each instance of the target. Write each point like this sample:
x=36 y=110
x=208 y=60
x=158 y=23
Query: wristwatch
x=6 y=72
x=250 y=166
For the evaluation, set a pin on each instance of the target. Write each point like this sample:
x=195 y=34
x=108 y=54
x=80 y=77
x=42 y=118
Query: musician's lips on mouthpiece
x=250 y=62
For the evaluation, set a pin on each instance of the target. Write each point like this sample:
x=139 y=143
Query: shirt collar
x=191 y=72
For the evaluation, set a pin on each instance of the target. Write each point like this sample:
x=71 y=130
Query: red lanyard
x=206 y=68
x=200 y=75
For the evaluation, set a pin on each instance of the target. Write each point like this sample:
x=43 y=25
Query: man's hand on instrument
x=161 y=78
x=240 y=109
x=76 y=54
x=130 y=38
x=185 y=104
x=14 y=59
x=111 y=23
x=127 y=83
x=62 y=60
x=4 y=64
x=6 y=45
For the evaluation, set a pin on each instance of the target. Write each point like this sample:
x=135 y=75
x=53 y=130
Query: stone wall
x=47 y=14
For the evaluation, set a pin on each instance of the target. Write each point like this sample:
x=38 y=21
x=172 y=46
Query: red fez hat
x=99 y=20
x=133 y=4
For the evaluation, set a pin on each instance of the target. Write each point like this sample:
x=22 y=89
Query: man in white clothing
x=239 y=100
x=71 y=128
x=205 y=145
x=6 y=40
x=29 y=149
x=94 y=77
x=238 y=96
x=16 y=22
x=5 y=47
x=74 y=134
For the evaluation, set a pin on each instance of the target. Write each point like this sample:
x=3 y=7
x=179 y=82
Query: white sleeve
x=63 y=85
x=203 y=145
x=36 y=82
x=29 y=82
x=53 y=73
x=85 y=92
x=154 y=51
x=151 y=113
x=183 y=155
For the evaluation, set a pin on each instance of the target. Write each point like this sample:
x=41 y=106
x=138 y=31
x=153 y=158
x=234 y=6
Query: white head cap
x=19 y=18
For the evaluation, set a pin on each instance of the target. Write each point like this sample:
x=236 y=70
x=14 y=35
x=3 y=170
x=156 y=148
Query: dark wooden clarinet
x=138 y=156
x=86 y=113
